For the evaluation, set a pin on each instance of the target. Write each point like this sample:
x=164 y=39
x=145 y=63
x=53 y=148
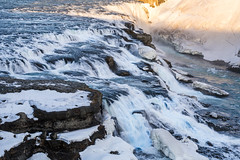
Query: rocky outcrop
x=145 y=38
x=114 y=67
x=45 y=120
x=209 y=89
x=221 y=121
x=234 y=68
x=174 y=149
x=56 y=149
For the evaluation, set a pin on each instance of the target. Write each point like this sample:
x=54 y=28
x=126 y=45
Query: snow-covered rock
x=77 y=135
x=174 y=149
x=209 y=89
x=147 y=52
x=213 y=115
x=39 y=156
x=111 y=148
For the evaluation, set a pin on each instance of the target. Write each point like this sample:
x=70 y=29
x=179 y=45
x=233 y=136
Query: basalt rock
x=55 y=148
x=114 y=67
x=50 y=122
x=209 y=89
x=145 y=38
x=234 y=68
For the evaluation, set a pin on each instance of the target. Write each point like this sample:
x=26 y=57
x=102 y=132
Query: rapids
x=70 y=40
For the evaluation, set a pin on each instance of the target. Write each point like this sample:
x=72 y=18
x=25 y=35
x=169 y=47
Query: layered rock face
x=29 y=124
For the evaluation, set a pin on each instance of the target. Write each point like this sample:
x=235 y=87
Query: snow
x=209 y=88
x=102 y=148
x=39 y=156
x=147 y=52
x=109 y=125
x=77 y=135
x=9 y=141
x=47 y=100
x=200 y=27
x=174 y=149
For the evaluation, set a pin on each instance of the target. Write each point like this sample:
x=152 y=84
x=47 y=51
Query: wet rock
x=168 y=62
x=148 y=53
x=209 y=89
x=115 y=152
x=234 y=68
x=114 y=68
x=221 y=121
x=213 y=115
x=209 y=143
x=123 y=73
x=182 y=78
x=111 y=63
x=145 y=38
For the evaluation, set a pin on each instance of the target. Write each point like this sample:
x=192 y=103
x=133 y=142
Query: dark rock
x=234 y=68
x=56 y=149
x=123 y=73
x=145 y=38
x=129 y=25
x=77 y=118
x=168 y=62
x=53 y=135
x=114 y=68
x=111 y=63
x=1 y=138
x=193 y=139
x=184 y=112
x=223 y=123
x=209 y=143
x=115 y=152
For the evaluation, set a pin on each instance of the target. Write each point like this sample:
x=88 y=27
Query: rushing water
x=70 y=39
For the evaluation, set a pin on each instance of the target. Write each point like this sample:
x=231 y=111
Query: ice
x=109 y=149
x=173 y=148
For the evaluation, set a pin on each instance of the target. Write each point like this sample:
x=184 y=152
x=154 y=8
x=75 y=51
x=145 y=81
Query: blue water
x=43 y=40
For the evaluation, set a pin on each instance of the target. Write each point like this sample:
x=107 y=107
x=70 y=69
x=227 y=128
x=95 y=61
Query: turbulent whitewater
x=100 y=43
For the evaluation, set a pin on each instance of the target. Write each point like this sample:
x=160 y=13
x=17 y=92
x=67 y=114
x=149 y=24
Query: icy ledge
x=174 y=149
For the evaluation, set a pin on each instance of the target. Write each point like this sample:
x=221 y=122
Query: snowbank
x=174 y=149
x=109 y=149
x=209 y=28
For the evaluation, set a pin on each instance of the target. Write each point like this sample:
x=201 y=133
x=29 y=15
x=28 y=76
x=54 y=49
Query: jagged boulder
x=174 y=149
x=209 y=89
